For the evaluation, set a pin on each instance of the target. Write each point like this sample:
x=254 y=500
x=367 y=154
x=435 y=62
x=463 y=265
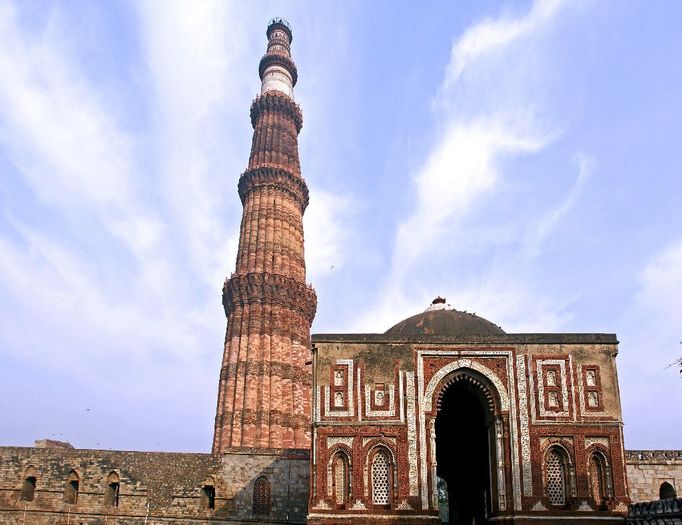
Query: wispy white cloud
x=146 y=201
x=152 y=299
x=544 y=226
x=66 y=142
x=326 y=233
x=491 y=35
x=650 y=341
x=195 y=53
x=492 y=105
x=662 y=285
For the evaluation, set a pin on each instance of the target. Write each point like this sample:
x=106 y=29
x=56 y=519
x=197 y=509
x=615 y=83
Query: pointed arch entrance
x=466 y=427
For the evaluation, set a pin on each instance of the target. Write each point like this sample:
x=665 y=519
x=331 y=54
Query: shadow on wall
x=42 y=486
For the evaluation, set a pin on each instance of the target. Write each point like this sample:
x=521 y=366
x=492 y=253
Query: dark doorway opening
x=463 y=454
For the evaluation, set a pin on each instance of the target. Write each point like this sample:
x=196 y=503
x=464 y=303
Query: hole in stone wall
x=71 y=490
x=667 y=491
x=113 y=488
x=28 y=489
x=208 y=497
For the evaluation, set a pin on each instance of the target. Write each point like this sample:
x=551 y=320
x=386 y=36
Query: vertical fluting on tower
x=264 y=389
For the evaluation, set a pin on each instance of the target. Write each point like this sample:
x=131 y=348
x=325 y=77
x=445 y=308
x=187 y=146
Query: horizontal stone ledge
x=499 y=339
x=269 y=289
x=277 y=102
x=275 y=177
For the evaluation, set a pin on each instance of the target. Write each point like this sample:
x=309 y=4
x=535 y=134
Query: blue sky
x=521 y=159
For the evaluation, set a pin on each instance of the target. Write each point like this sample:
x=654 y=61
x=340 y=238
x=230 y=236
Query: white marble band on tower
x=278 y=75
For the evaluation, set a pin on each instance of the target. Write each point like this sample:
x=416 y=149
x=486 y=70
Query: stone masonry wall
x=648 y=469
x=155 y=487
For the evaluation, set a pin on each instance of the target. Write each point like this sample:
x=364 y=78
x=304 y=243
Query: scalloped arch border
x=457 y=365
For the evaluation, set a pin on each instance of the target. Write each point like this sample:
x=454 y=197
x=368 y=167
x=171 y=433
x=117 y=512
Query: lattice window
x=261 y=496
x=556 y=477
x=381 y=470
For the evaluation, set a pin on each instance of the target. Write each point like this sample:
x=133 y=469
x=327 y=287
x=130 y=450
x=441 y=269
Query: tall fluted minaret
x=264 y=390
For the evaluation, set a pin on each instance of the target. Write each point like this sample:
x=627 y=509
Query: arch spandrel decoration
x=457 y=365
x=476 y=383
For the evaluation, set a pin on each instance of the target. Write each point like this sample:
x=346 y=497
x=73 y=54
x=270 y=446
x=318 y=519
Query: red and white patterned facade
x=554 y=425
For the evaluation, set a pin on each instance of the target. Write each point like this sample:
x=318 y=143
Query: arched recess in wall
x=208 y=493
x=467 y=435
x=72 y=487
x=557 y=479
x=261 y=497
x=667 y=491
x=340 y=478
x=28 y=487
x=381 y=474
x=112 y=489
x=599 y=473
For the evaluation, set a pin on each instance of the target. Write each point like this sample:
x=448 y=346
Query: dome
x=442 y=319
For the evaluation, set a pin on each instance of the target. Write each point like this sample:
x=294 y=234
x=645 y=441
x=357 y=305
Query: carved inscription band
x=279 y=103
x=276 y=178
x=278 y=60
x=272 y=417
x=267 y=368
x=269 y=289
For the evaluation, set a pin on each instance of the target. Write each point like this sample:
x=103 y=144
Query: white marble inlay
x=411 y=434
x=342 y=440
x=553 y=401
x=524 y=431
x=349 y=392
x=581 y=394
x=604 y=441
x=389 y=411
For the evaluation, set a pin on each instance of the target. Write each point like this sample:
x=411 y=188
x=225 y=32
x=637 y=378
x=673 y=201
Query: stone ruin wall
x=648 y=469
x=165 y=486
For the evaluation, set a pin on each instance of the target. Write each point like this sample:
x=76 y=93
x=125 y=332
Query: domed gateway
x=446 y=418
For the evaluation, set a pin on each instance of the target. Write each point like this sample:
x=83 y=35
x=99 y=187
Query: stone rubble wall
x=648 y=469
x=154 y=486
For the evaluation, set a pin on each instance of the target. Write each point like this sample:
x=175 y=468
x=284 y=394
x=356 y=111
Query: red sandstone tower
x=264 y=390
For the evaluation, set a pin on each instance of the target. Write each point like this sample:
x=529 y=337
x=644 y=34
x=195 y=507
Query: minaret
x=264 y=389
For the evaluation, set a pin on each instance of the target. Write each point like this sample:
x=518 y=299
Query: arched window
x=208 y=493
x=667 y=491
x=381 y=477
x=112 y=490
x=555 y=476
x=340 y=479
x=28 y=488
x=261 y=496
x=598 y=479
x=71 y=489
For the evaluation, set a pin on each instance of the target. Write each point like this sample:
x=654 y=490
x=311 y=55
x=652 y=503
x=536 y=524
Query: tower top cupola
x=276 y=69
